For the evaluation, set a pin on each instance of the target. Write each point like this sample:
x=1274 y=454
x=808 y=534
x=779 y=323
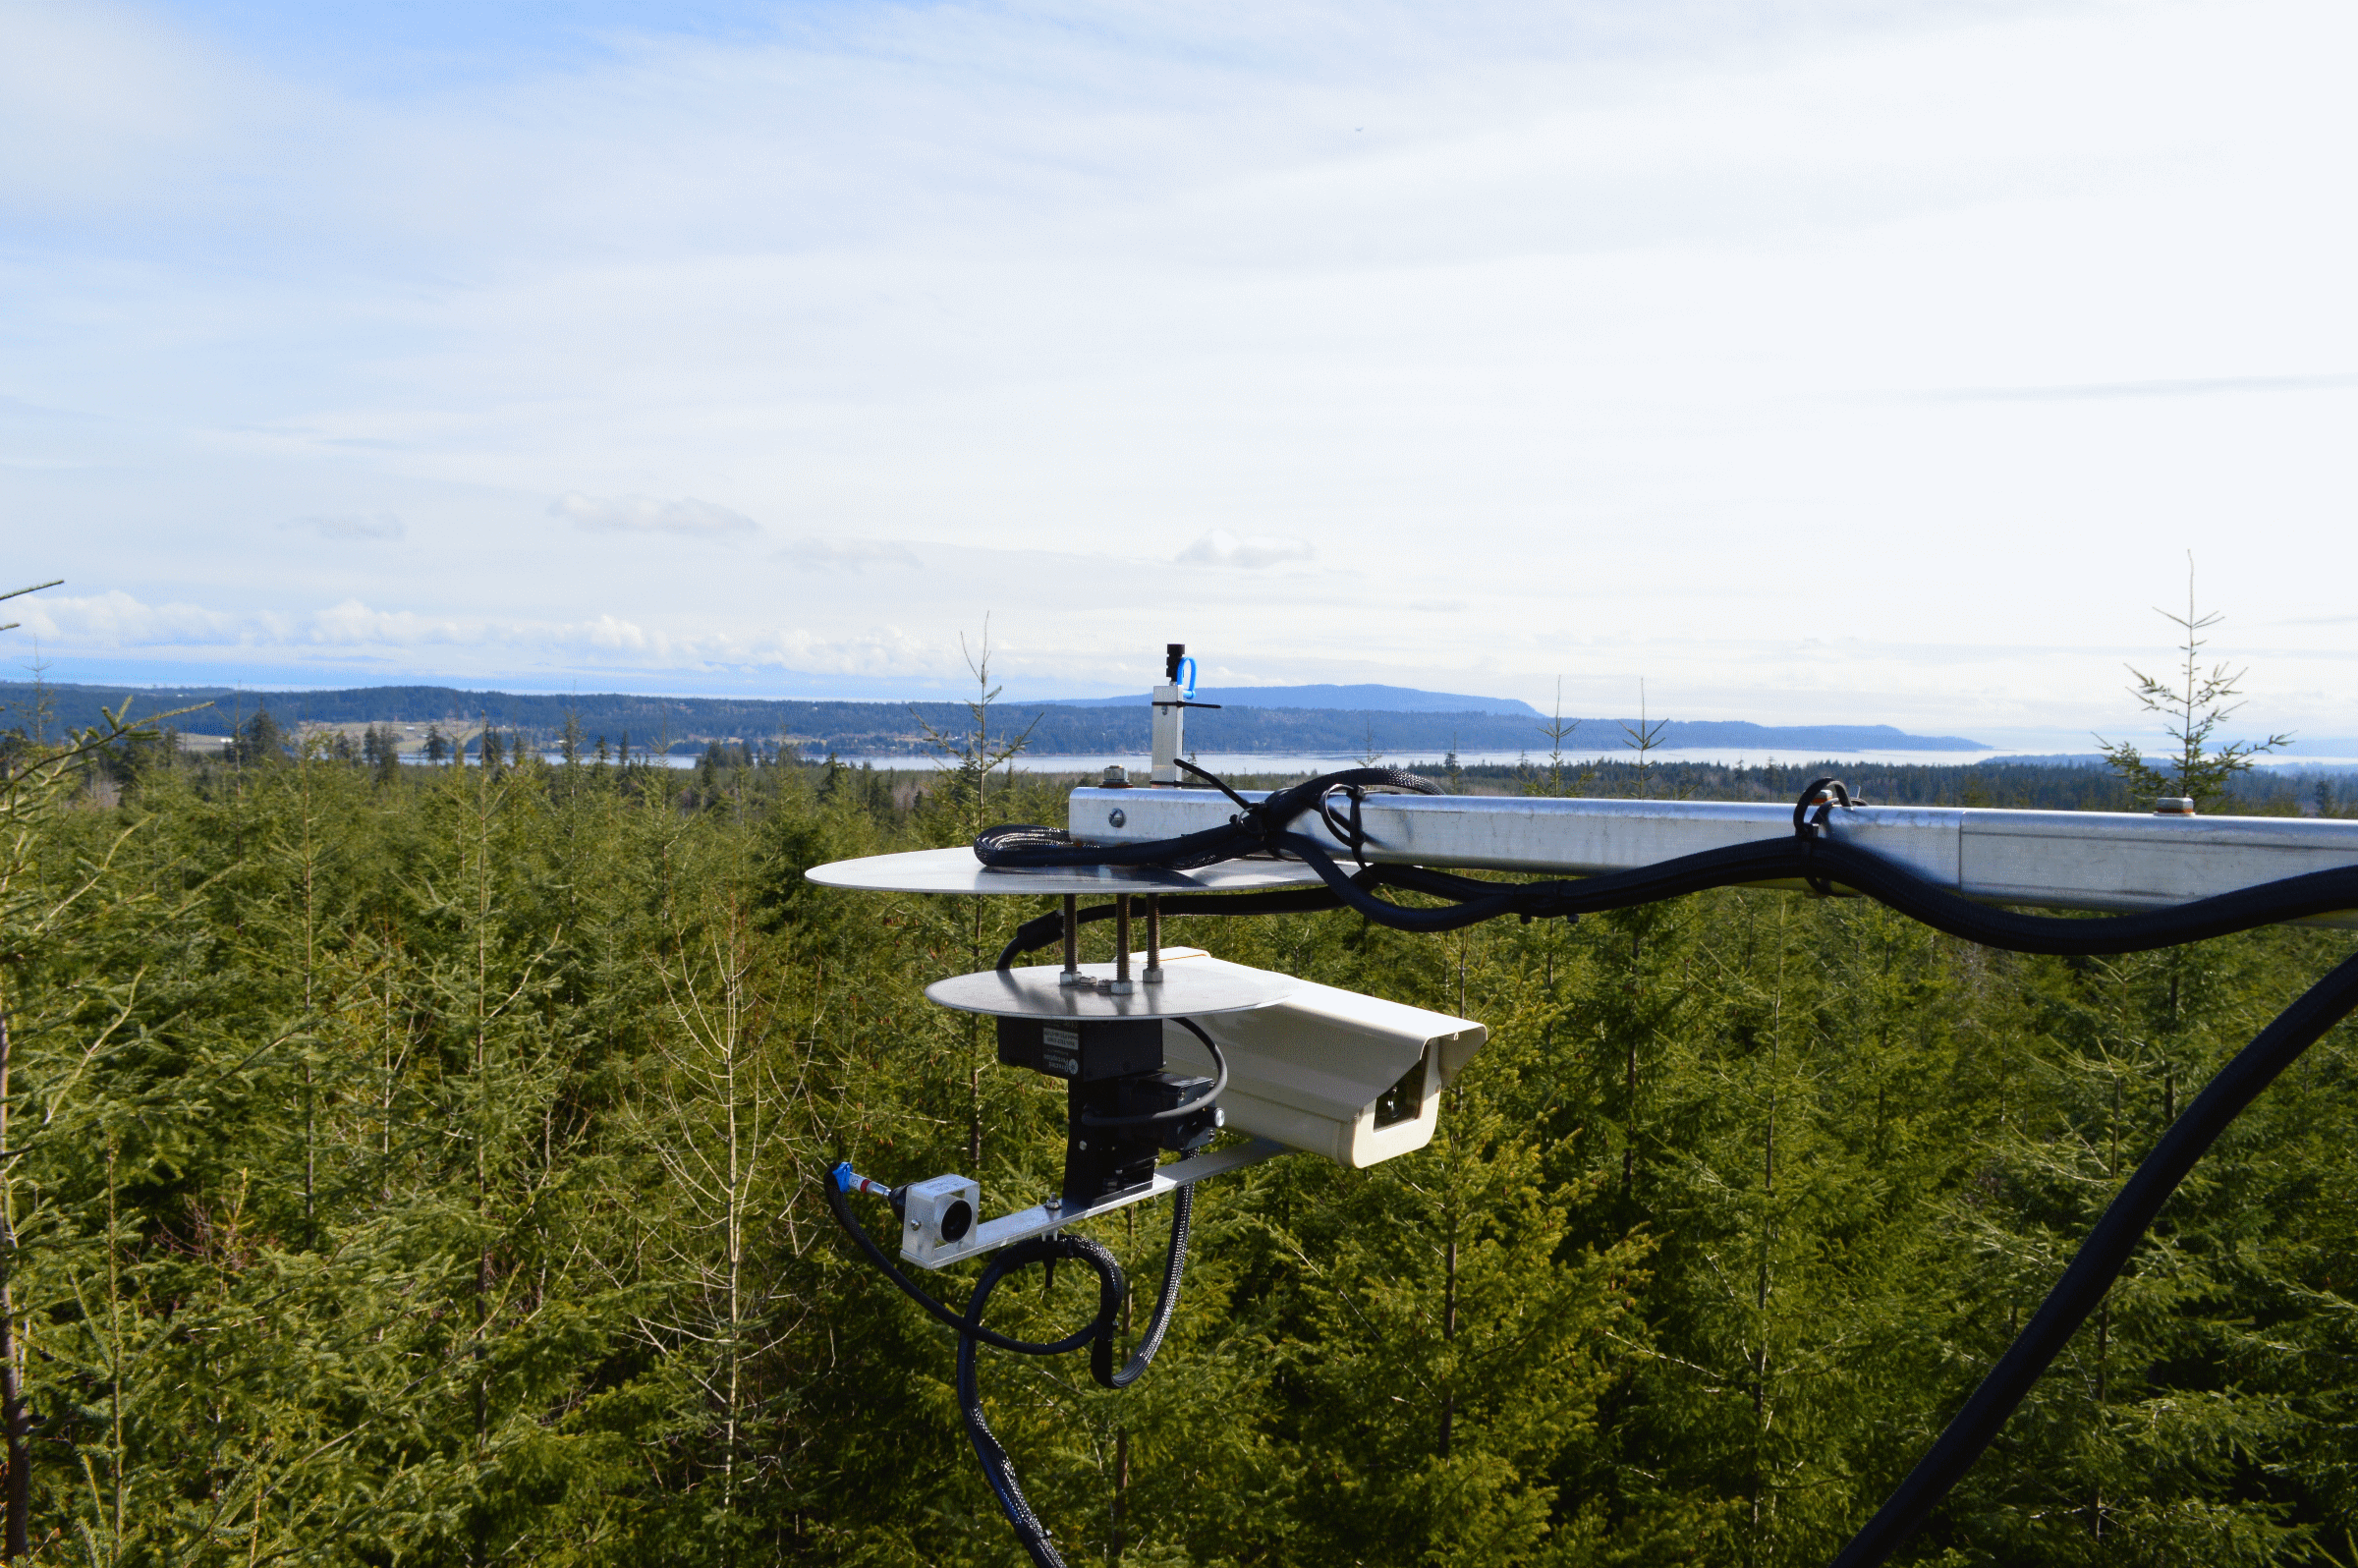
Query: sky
x=1808 y=362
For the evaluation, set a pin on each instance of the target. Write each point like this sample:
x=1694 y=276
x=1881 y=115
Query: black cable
x=1174 y=1265
x=841 y=1208
x=1787 y=860
x=2100 y=1261
x=1031 y=846
x=997 y=1469
x=1112 y=1288
x=1047 y=930
x=1826 y=794
x=1811 y=857
x=1257 y=829
x=1216 y=782
x=1219 y=1081
x=1821 y=861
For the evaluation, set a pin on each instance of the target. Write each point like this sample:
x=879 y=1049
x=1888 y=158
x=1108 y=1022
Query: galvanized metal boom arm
x=2055 y=859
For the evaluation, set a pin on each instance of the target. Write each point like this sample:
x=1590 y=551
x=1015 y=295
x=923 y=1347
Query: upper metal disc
x=1187 y=989
x=956 y=870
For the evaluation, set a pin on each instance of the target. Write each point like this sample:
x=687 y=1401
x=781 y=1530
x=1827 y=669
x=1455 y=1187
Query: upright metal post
x=1154 y=975
x=1072 y=941
x=1121 y=945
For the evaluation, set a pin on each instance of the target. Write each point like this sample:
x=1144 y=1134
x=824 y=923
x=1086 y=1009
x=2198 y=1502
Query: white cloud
x=1220 y=548
x=445 y=647
x=355 y=624
x=639 y=513
x=846 y=554
x=116 y=620
x=353 y=526
x=616 y=635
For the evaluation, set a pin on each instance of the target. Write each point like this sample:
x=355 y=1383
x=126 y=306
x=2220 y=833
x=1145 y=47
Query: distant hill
x=1341 y=698
x=686 y=723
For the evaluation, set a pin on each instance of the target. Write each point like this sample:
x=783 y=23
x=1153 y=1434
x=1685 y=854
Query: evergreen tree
x=386 y=758
x=258 y=741
x=2193 y=703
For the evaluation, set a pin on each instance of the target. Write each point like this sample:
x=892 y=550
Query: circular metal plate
x=1186 y=990
x=956 y=870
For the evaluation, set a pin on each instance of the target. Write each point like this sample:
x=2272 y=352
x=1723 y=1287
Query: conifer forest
x=420 y=1165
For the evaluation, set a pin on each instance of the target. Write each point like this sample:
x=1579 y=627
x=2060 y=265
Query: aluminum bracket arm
x=2108 y=860
x=1042 y=1219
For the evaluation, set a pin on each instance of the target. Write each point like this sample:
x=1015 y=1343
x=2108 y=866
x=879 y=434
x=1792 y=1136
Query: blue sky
x=1812 y=363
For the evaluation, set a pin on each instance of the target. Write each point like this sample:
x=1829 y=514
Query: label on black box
x=1059 y=1050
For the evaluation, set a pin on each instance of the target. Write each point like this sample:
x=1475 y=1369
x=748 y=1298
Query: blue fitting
x=848 y=1180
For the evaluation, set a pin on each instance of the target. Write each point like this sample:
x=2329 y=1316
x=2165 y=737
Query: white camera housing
x=939 y=1219
x=1354 y=1078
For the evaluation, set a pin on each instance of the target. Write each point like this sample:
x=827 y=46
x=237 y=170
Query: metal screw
x=1117 y=816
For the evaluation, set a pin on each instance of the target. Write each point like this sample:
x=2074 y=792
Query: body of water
x=1226 y=762
x=1305 y=763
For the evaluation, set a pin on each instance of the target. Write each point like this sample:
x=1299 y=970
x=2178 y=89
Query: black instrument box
x=1083 y=1051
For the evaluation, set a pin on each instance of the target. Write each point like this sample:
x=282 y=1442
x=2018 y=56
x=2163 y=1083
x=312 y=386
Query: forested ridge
x=886 y=729
x=419 y=1166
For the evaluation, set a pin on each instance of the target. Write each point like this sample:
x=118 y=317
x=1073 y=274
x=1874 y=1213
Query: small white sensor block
x=939 y=1219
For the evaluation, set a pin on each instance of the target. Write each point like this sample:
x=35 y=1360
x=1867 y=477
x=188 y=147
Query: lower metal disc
x=956 y=870
x=1186 y=990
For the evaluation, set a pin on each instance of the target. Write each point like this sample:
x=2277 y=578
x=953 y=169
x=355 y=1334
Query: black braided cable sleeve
x=1253 y=830
x=1174 y=1265
x=1098 y=1335
x=1263 y=827
x=1029 y=846
x=2100 y=1261
x=2245 y=908
x=997 y=1469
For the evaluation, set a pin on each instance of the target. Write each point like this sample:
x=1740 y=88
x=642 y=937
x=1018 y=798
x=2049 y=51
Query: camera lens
x=956 y=1220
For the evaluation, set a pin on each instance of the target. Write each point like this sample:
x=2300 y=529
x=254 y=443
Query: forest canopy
x=419 y=1166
